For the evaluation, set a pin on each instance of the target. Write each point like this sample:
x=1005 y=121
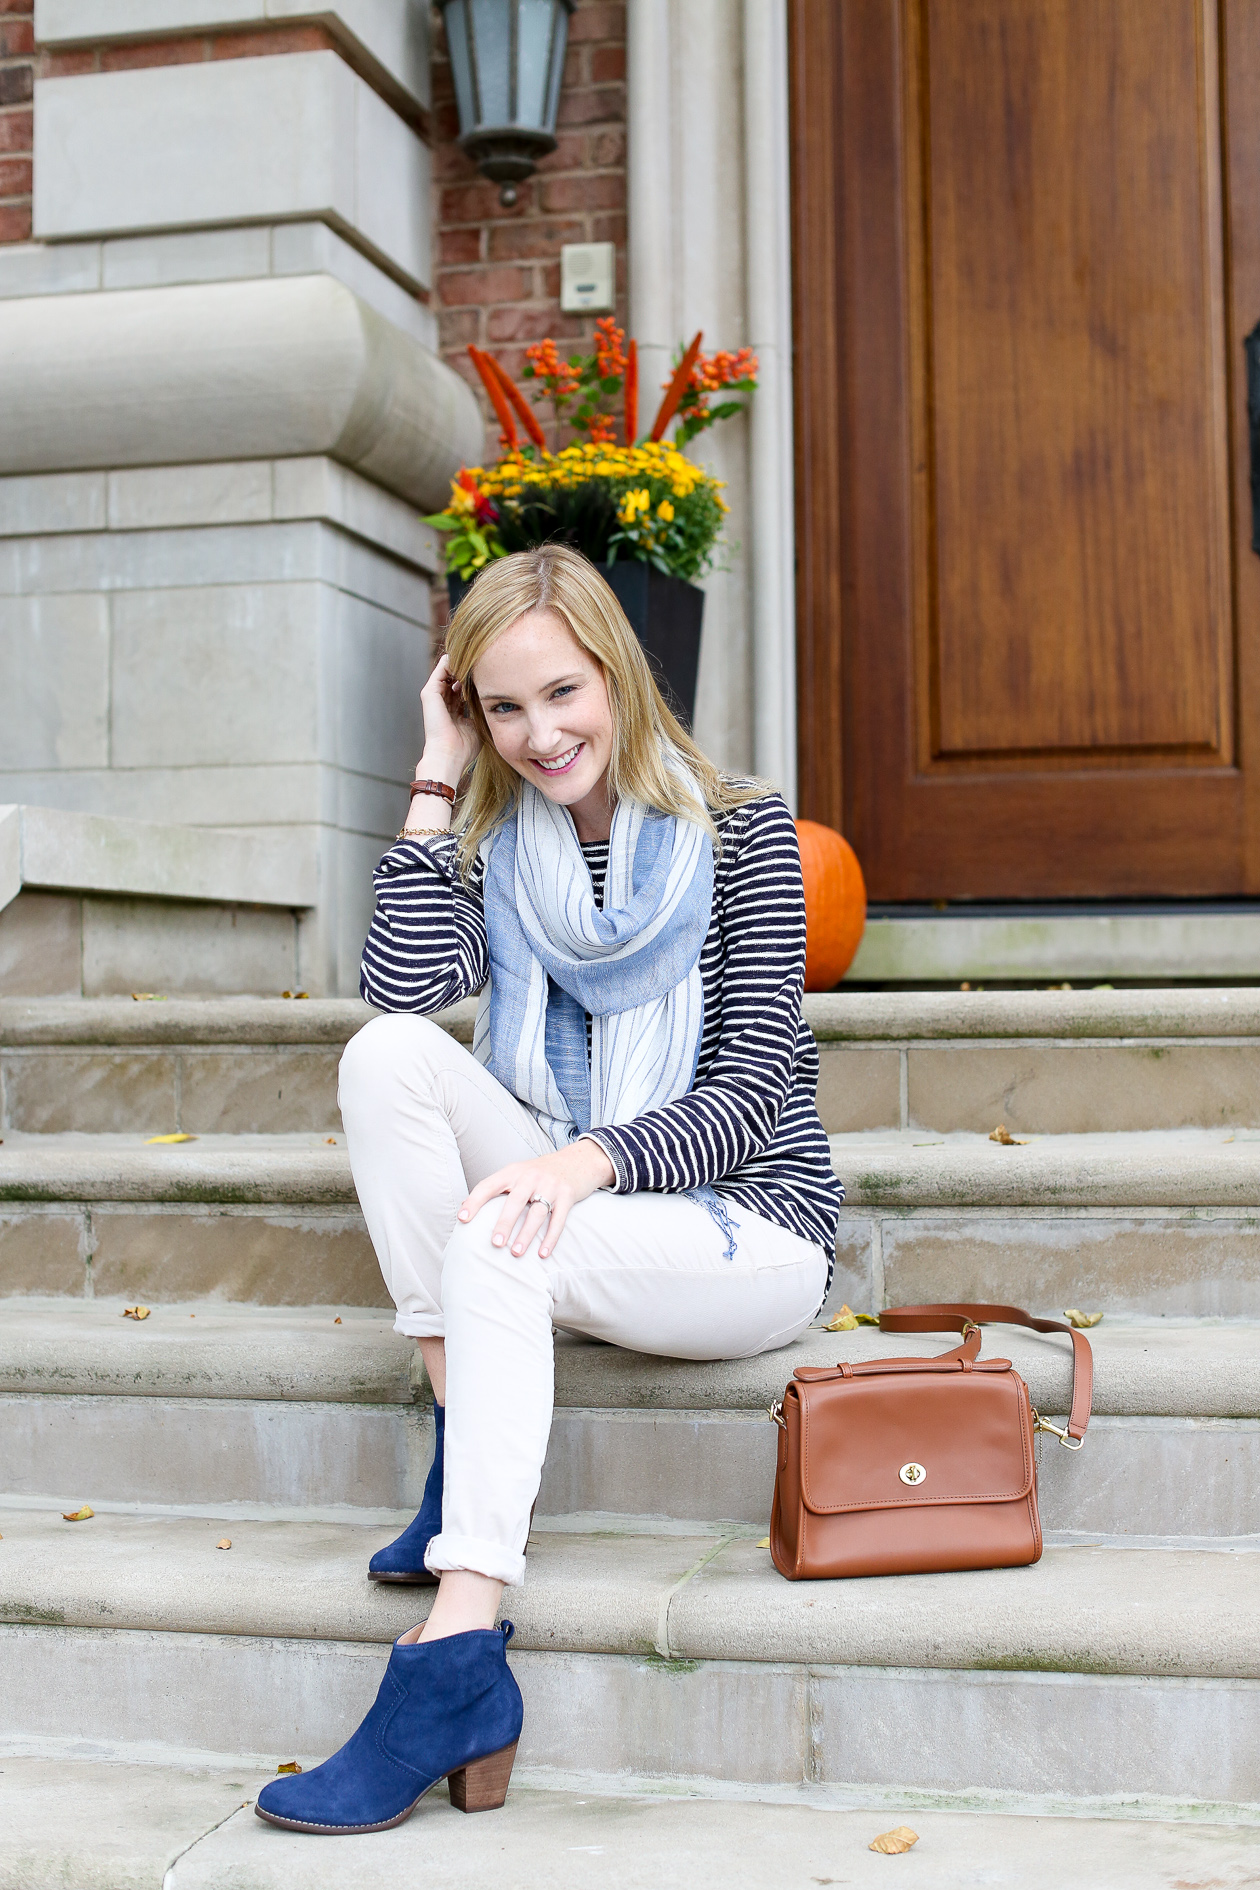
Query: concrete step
x=245 y=1411
x=135 y=1823
x=1154 y=1223
x=1045 y=1062
x=1098 y=1671
x=1159 y=1223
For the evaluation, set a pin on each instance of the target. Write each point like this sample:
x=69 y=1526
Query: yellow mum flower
x=665 y=510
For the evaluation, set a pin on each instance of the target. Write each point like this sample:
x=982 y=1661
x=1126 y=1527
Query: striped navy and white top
x=749 y=1124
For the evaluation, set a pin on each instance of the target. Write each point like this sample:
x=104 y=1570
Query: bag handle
x=960 y=1318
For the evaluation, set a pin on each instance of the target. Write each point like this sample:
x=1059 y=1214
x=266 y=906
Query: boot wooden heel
x=482 y=1786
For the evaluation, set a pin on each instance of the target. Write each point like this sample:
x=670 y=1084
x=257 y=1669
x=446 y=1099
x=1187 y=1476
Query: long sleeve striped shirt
x=749 y=1125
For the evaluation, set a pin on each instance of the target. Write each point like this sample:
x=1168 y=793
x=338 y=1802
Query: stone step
x=1046 y=1062
x=1097 y=1671
x=1152 y=1223
x=172 y=1826
x=249 y=1409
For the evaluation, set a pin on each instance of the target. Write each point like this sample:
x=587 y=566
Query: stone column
x=709 y=248
x=223 y=415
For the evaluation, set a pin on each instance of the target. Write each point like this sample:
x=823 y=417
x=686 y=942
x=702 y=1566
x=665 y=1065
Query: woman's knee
x=391 y=1048
x=473 y=1268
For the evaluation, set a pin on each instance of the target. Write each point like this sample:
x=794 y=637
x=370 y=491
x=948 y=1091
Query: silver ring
x=540 y=1200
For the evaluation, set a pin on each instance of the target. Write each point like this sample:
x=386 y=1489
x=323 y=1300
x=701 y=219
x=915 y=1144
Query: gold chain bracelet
x=421 y=833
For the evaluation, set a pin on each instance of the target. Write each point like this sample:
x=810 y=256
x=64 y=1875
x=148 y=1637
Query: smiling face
x=546 y=706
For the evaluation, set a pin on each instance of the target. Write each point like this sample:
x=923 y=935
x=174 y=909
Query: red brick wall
x=17 y=85
x=497 y=277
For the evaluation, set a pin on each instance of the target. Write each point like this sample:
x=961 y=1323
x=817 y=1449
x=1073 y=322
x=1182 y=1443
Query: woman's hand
x=451 y=743
x=564 y=1177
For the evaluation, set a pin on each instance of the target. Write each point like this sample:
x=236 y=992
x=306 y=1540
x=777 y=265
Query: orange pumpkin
x=835 y=904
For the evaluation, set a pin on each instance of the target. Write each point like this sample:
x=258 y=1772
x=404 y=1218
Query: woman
x=632 y=1149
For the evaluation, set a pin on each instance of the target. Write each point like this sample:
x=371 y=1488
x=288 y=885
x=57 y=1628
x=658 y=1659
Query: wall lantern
x=506 y=60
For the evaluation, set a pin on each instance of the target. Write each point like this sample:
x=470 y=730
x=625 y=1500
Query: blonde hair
x=554 y=578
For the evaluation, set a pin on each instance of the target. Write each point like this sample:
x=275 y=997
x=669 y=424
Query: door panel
x=1046 y=610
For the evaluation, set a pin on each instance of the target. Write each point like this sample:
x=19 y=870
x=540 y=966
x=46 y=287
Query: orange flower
x=610 y=356
x=601 y=427
x=561 y=380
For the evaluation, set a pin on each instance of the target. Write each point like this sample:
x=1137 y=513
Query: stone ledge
x=1139 y=1169
x=1142 y=1368
x=839 y=1018
x=301 y=1174
x=1183 y=1613
x=278 y=366
x=33 y=1022
x=900 y=1016
x=47 y=848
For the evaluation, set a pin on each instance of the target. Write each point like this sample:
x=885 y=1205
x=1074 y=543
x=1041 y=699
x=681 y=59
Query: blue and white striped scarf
x=555 y=956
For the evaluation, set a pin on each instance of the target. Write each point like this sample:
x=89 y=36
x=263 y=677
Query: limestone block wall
x=238 y=645
x=224 y=408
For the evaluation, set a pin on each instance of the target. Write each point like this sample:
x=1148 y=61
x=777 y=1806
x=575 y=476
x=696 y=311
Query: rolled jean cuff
x=420 y=1325
x=477 y=1557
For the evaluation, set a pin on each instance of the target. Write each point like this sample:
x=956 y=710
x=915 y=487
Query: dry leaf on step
x=846 y=1320
x=1001 y=1134
x=337 y=1320
x=290 y=1765
x=77 y=1515
x=295 y=994
x=135 y=1312
x=226 y=1543
x=1081 y=1320
x=148 y=997
x=893 y=1843
x=764 y=1543
x=181 y=1137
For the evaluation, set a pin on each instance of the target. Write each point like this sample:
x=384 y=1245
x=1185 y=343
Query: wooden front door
x=1027 y=243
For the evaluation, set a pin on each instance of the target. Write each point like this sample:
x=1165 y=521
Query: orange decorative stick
x=528 y=418
x=490 y=381
x=632 y=393
x=676 y=389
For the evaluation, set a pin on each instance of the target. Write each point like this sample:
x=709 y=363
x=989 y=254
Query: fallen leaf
x=77 y=1515
x=135 y=1312
x=290 y=1765
x=181 y=1137
x=337 y=1320
x=764 y=1543
x=331 y=1141
x=1081 y=1320
x=846 y=1320
x=295 y=994
x=1000 y=1135
x=148 y=997
x=893 y=1843
x=226 y=1543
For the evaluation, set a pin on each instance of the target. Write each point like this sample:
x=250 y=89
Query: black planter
x=666 y=614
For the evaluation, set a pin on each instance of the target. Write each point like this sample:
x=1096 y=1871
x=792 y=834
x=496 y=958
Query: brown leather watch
x=440 y=788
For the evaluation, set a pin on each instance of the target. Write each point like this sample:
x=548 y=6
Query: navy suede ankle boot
x=403 y=1559
x=446 y=1709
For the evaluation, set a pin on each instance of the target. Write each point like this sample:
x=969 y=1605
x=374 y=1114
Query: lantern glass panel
x=536 y=25
x=492 y=50
x=558 y=39
x=456 y=19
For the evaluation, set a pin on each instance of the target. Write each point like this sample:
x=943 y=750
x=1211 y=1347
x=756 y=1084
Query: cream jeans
x=424 y=1124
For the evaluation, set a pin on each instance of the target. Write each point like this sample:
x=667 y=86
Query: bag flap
x=889 y=1442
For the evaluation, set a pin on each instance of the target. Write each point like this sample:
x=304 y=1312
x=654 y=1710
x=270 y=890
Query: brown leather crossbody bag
x=900 y=1466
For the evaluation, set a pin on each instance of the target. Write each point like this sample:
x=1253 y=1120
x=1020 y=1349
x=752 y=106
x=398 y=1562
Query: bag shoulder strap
x=957 y=1318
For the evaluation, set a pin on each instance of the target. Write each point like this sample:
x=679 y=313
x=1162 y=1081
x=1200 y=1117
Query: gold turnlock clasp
x=775 y=1414
x=1044 y=1424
